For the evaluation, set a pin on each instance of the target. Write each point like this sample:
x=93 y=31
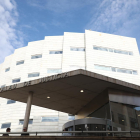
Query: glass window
x=121 y=52
x=16 y=80
x=96 y=48
x=5 y=125
x=134 y=123
x=135 y=72
x=11 y=101
x=20 y=62
x=50 y=119
x=36 y=56
x=21 y=122
x=111 y=50
x=130 y=53
x=102 y=67
x=33 y=74
x=100 y=48
x=54 y=70
x=124 y=71
x=71 y=117
x=122 y=119
x=113 y=69
x=7 y=69
x=55 y=52
x=103 y=49
x=125 y=114
x=77 y=49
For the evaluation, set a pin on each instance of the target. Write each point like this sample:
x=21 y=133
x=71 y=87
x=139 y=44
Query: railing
x=79 y=132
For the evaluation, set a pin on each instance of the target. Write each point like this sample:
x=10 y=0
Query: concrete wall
x=67 y=61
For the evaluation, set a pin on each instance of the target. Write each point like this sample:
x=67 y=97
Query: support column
x=28 y=109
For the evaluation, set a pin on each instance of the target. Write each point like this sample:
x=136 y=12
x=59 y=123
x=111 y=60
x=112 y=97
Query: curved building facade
x=110 y=55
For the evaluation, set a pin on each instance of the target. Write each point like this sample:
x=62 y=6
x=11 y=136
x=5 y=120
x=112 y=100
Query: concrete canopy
x=64 y=90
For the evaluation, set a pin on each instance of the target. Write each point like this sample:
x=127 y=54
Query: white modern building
x=106 y=54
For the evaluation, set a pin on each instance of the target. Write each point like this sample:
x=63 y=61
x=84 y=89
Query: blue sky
x=23 y=21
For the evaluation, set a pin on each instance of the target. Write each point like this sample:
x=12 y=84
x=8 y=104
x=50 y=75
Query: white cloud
x=116 y=16
x=9 y=36
x=59 y=6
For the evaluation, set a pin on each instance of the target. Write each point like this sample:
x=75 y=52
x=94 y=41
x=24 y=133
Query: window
x=71 y=117
x=16 y=80
x=77 y=49
x=130 y=53
x=7 y=69
x=122 y=119
x=54 y=70
x=100 y=48
x=102 y=68
x=50 y=119
x=33 y=74
x=55 y=52
x=135 y=72
x=5 y=125
x=134 y=123
x=124 y=71
x=20 y=62
x=119 y=51
x=11 y=101
x=113 y=69
x=36 y=56
x=112 y=50
x=21 y=122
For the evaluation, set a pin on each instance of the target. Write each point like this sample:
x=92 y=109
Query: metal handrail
x=37 y=132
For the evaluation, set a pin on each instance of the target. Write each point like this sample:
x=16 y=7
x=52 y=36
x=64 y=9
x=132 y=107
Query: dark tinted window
x=7 y=69
x=16 y=80
x=36 y=56
x=11 y=101
x=56 y=52
x=20 y=62
x=122 y=119
x=5 y=125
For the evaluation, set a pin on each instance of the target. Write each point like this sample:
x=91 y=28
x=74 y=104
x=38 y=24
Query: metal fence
x=64 y=133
